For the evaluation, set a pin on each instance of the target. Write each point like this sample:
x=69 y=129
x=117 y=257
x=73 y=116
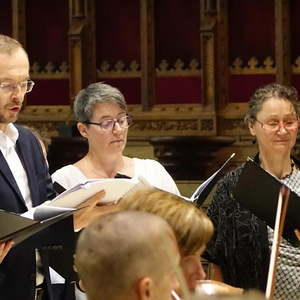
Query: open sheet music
x=114 y=188
x=205 y=188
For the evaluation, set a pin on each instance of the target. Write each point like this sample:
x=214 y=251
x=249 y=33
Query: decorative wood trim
x=253 y=67
x=165 y=69
x=161 y=120
x=49 y=71
x=147 y=53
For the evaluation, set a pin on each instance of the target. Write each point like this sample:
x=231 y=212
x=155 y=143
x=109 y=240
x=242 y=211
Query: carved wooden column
x=82 y=53
x=89 y=45
x=147 y=54
x=208 y=52
x=19 y=21
x=282 y=42
x=222 y=59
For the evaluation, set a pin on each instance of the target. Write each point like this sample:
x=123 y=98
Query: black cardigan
x=240 y=243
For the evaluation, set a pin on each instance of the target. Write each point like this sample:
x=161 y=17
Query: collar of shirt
x=9 y=138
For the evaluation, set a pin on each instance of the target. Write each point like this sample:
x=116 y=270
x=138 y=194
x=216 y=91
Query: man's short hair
x=118 y=249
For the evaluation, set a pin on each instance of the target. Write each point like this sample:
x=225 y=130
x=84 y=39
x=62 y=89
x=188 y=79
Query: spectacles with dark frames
x=25 y=86
x=275 y=125
x=123 y=122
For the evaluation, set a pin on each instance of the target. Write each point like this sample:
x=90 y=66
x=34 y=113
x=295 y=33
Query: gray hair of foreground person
x=94 y=93
x=123 y=253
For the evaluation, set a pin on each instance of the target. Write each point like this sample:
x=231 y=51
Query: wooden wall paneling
x=283 y=42
x=19 y=21
x=147 y=54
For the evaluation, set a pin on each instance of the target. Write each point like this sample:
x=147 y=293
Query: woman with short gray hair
x=103 y=119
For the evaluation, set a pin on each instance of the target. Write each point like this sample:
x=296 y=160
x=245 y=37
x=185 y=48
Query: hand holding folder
x=4 y=249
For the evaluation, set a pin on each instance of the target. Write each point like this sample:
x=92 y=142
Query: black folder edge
x=258 y=191
x=32 y=226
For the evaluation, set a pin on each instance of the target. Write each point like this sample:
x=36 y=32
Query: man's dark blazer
x=18 y=270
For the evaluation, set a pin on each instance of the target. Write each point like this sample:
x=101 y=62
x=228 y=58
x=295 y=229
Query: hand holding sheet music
x=90 y=210
x=94 y=198
x=114 y=189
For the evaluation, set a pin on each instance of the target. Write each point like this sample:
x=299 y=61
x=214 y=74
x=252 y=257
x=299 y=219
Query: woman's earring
x=254 y=141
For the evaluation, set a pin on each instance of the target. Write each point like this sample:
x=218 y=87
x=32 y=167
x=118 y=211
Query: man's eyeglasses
x=25 y=86
x=275 y=125
x=124 y=122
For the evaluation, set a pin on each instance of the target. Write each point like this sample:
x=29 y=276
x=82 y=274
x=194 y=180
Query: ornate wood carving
x=282 y=41
x=253 y=67
x=147 y=54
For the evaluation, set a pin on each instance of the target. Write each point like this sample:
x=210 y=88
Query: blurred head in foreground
x=192 y=228
x=128 y=255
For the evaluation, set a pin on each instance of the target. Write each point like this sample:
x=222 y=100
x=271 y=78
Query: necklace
x=289 y=175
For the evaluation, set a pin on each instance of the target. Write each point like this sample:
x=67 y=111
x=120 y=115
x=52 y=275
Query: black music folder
x=18 y=228
x=258 y=191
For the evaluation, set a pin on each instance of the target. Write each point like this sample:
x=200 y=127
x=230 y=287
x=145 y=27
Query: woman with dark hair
x=241 y=246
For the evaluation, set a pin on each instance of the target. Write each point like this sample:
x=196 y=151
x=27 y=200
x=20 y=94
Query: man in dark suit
x=24 y=178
